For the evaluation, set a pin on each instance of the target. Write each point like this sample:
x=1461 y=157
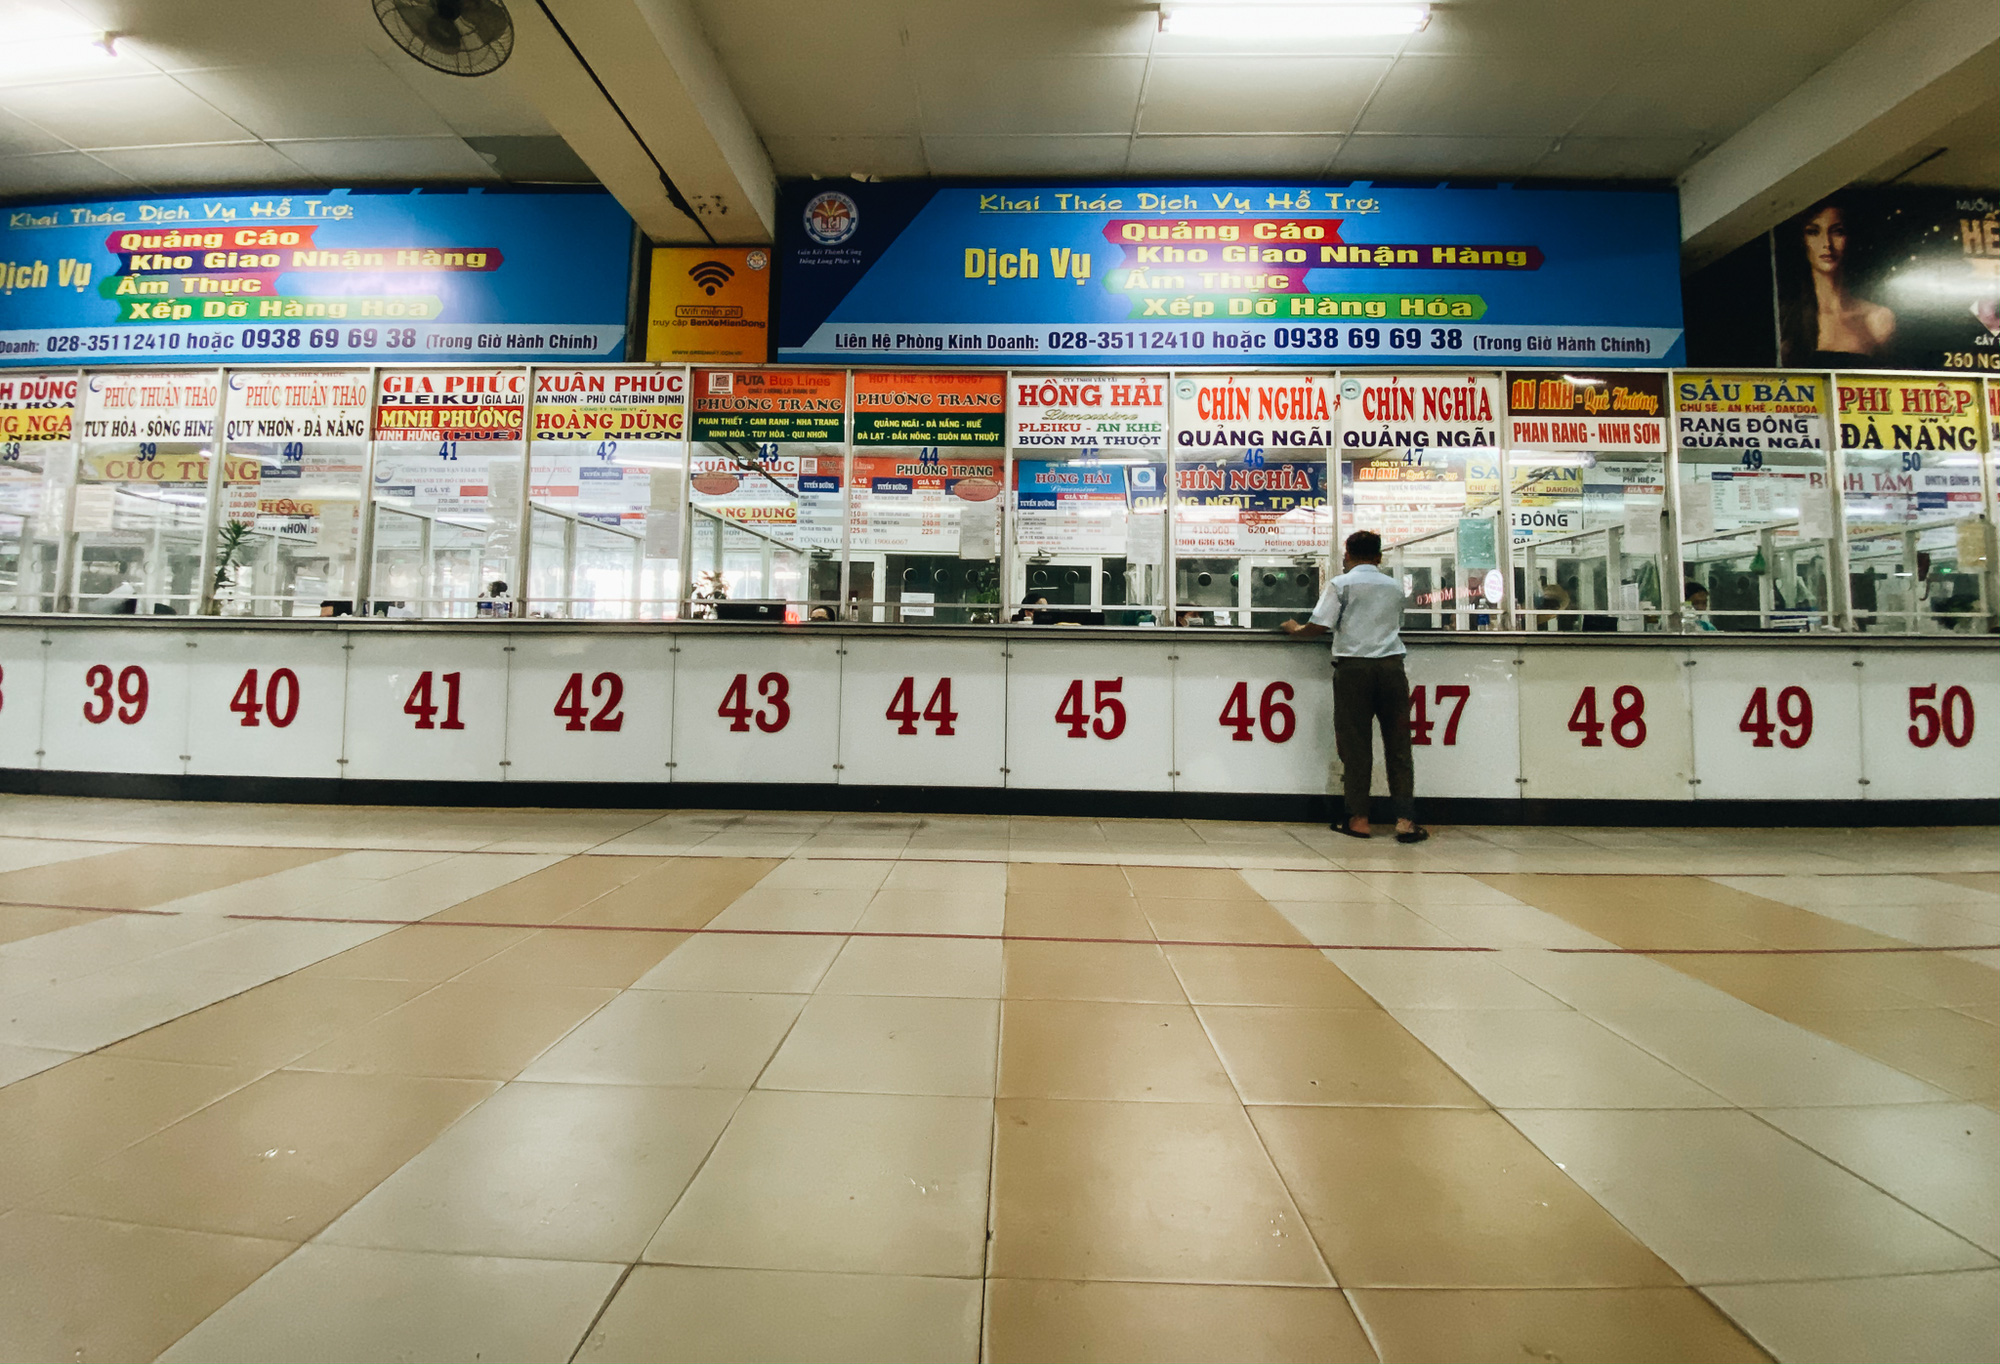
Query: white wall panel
x=1120 y=737
x=782 y=690
x=116 y=701
x=615 y=694
x=1641 y=748
x=968 y=677
x=388 y=676
x=22 y=664
x=1474 y=737
x=1776 y=724
x=1278 y=734
x=266 y=703
x=1962 y=758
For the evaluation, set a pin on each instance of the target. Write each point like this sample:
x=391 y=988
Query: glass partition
x=37 y=474
x=924 y=535
x=449 y=453
x=1915 y=508
x=140 y=512
x=765 y=539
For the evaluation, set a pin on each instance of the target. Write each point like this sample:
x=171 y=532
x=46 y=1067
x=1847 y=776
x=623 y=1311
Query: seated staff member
x=1363 y=607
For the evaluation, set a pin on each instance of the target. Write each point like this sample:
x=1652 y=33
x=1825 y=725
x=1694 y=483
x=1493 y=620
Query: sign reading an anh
x=1127 y=274
x=339 y=275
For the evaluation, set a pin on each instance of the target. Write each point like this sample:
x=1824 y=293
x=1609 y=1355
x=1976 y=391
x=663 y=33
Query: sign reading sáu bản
x=1128 y=274
x=338 y=275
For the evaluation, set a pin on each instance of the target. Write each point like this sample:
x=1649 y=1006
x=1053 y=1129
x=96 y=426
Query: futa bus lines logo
x=831 y=218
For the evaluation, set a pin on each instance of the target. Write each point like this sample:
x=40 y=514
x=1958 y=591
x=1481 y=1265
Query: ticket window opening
x=1075 y=589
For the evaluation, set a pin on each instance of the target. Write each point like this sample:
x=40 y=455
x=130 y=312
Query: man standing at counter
x=1363 y=608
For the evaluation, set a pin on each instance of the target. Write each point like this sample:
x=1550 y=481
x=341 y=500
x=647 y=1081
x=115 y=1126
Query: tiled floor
x=349 y=1084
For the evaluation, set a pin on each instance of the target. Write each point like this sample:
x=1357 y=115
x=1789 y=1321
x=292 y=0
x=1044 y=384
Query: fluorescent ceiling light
x=42 y=45
x=1304 y=20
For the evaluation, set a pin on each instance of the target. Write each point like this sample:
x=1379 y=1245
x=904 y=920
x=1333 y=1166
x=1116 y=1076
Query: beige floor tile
x=1941 y=1159
x=1434 y=888
x=1787 y=985
x=1445 y=1198
x=1315 y=887
x=795 y=908
x=1643 y=1325
x=987 y=878
x=1596 y=981
x=420 y=952
x=545 y=896
x=1218 y=921
x=865 y=1183
x=1054 y=916
x=671 y=1037
x=896 y=910
x=1083 y=1320
x=1067 y=879
x=1940 y=1046
x=1132 y=972
x=1278 y=977
x=108 y=1006
x=1087 y=1049
x=1343 y=924
x=1758 y=1061
x=1865 y=1321
x=682 y=892
x=690 y=1313
x=828 y=873
x=603 y=958
x=1441 y=980
x=1330 y=1056
x=746 y=963
x=1142 y=1191
x=138 y=878
x=1724 y=1198
x=280 y=1158
x=1544 y=1058
x=273 y=1024
x=60 y=1122
x=1985 y=1013
x=339 y=1303
x=461 y=1030
x=18 y=1063
x=1188 y=883
x=30 y=921
x=76 y=1288
x=876 y=1044
x=547 y=1171
x=967 y=968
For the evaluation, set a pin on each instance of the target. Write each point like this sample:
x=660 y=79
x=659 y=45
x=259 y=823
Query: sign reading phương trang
x=1126 y=274
x=339 y=275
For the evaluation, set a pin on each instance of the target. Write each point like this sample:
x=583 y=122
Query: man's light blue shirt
x=1363 y=608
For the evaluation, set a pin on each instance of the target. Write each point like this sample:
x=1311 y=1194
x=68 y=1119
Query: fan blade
x=488 y=20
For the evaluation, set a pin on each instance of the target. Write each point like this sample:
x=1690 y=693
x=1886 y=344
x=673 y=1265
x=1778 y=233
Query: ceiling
x=231 y=92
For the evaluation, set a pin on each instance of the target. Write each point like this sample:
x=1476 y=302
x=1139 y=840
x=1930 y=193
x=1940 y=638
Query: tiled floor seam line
x=603 y=1307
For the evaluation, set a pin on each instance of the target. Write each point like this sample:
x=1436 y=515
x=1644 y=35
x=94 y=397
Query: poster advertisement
x=305 y=432
x=1586 y=411
x=436 y=405
x=1078 y=506
x=335 y=275
x=709 y=305
x=1206 y=274
x=930 y=409
x=35 y=408
x=770 y=406
x=1764 y=412
x=1116 y=412
x=914 y=505
x=1891 y=279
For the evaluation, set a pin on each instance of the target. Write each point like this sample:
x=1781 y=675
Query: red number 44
x=903 y=708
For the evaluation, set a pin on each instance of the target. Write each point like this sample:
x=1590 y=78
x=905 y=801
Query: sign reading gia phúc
x=1198 y=274
x=1588 y=411
x=451 y=405
x=1750 y=411
x=765 y=406
x=36 y=407
x=1908 y=414
x=1090 y=411
x=929 y=409
x=618 y=404
x=338 y=275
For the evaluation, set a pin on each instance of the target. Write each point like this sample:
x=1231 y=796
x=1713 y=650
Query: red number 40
x=280 y=704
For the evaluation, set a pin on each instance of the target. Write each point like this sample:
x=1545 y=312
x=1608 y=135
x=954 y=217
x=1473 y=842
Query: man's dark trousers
x=1373 y=689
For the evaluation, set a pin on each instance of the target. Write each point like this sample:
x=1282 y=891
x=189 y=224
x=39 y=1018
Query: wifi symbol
x=711 y=275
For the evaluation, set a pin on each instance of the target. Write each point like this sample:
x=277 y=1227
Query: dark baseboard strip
x=959 y=800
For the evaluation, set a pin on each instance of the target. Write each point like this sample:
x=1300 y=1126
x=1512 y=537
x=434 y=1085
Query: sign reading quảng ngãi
x=1090 y=411
x=451 y=405
x=929 y=409
x=1714 y=411
x=36 y=407
x=767 y=406
x=615 y=405
x=1609 y=412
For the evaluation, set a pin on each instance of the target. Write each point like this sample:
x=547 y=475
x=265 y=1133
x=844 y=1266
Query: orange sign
x=929 y=409
x=36 y=407
x=710 y=305
x=765 y=405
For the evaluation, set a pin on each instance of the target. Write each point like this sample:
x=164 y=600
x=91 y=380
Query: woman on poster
x=1825 y=323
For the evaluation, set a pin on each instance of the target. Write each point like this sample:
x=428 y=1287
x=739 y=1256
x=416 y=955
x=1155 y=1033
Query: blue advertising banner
x=340 y=275
x=1208 y=274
